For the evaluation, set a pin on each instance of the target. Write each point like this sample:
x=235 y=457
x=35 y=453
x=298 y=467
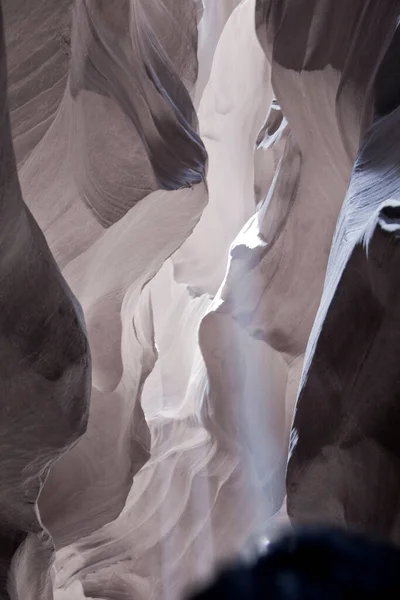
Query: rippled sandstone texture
x=216 y=182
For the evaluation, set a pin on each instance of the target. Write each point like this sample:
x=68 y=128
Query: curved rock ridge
x=133 y=66
x=38 y=37
x=88 y=487
x=326 y=122
x=107 y=269
x=350 y=448
x=267 y=304
x=166 y=534
x=44 y=375
x=232 y=109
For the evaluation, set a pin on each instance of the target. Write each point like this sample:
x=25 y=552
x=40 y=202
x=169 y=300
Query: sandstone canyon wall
x=198 y=323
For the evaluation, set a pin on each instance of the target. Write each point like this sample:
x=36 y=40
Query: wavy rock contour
x=217 y=184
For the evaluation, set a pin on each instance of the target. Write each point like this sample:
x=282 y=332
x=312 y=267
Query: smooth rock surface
x=44 y=377
x=344 y=460
x=187 y=162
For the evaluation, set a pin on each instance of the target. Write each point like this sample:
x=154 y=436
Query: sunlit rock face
x=199 y=234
